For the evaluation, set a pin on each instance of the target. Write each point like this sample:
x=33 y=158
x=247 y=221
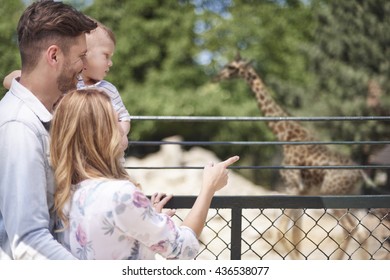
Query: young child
x=101 y=46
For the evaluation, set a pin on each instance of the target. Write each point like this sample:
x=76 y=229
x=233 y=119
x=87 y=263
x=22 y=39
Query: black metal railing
x=287 y=227
x=363 y=219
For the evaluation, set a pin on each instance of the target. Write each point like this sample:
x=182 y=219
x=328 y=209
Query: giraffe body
x=297 y=181
x=318 y=181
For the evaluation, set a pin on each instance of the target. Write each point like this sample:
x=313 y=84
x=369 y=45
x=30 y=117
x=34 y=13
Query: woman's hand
x=159 y=200
x=215 y=176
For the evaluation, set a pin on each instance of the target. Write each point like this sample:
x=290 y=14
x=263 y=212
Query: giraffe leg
x=341 y=182
x=289 y=226
x=294 y=185
x=348 y=224
x=296 y=240
x=293 y=181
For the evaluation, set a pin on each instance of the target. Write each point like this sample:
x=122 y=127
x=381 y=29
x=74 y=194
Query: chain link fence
x=287 y=227
x=248 y=230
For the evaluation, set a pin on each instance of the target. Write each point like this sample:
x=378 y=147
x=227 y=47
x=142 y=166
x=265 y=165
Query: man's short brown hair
x=46 y=23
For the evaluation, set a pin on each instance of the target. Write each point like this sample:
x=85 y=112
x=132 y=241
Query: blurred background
x=317 y=58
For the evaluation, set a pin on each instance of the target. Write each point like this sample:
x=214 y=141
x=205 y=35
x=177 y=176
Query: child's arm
x=8 y=79
x=125 y=125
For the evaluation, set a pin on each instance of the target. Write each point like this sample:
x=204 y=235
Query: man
x=51 y=37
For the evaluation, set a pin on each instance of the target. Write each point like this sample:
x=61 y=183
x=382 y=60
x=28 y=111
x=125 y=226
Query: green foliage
x=274 y=36
x=350 y=49
x=271 y=34
x=10 y=12
x=316 y=58
x=158 y=69
x=154 y=42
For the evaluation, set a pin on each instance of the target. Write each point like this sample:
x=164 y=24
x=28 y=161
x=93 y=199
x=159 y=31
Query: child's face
x=98 y=59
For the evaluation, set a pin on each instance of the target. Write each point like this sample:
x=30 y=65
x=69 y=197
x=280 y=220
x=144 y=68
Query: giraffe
x=373 y=98
x=297 y=181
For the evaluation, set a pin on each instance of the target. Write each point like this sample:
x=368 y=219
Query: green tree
x=350 y=50
x=154 y=41
x=154 y=66
x=273 y=34
x=10 y=12
x=167 y=52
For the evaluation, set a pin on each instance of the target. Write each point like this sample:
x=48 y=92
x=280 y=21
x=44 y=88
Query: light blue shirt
x=26 y=179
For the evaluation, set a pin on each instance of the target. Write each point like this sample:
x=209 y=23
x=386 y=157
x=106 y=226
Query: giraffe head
x=232 y=70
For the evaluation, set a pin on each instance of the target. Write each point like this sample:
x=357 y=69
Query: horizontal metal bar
x=287 y=201
x=271 y=167
x=216 y=118
x=209 y=143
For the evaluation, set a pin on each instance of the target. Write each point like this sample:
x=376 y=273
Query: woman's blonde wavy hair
x=85 y=143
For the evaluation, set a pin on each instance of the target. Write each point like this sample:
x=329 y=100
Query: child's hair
x=106 y=29
x=85 y=143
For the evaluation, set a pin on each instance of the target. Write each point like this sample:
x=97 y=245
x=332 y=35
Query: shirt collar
x=81 y=84
x=31 y=101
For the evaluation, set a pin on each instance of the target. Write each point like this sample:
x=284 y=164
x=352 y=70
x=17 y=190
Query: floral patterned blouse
x=113 y=219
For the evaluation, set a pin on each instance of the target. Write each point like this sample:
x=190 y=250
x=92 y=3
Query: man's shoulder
x=14 y=110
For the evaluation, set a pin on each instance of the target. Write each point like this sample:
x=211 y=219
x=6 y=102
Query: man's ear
x=52 y=54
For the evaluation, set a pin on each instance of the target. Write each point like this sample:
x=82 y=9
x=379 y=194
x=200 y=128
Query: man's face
x=73 y=65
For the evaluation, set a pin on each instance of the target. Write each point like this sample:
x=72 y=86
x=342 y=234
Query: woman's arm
x=215 y=177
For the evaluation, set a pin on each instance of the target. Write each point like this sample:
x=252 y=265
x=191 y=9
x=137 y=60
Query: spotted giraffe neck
x=283 y=130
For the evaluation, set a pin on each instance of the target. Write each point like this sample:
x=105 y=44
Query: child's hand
x=8 y=79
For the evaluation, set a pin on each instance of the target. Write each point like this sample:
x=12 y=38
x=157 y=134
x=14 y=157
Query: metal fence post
x=235 y=253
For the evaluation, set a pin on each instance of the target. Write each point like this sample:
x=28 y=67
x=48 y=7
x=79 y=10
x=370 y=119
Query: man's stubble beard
x=66 y=83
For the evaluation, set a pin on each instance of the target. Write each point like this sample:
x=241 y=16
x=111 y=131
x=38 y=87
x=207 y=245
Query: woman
x=102 y=211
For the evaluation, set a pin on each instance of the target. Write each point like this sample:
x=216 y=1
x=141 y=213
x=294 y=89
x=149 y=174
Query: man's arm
x=23 y=195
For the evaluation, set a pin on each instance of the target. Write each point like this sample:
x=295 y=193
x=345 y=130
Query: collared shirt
x=26 y=179
x=113 y=219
